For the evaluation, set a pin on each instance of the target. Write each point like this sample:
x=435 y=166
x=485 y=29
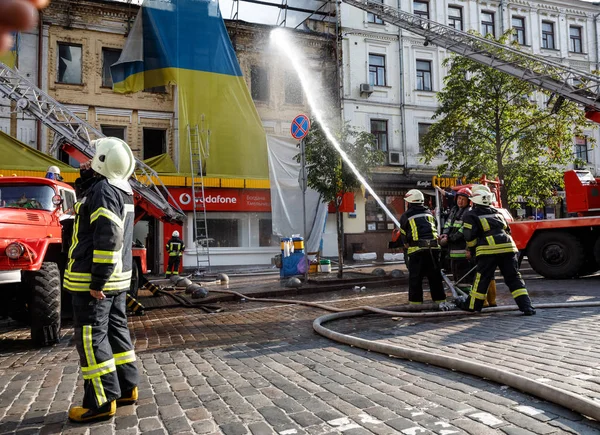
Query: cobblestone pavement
x=260 y=369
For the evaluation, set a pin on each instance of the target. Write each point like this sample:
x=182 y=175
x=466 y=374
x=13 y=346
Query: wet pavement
x=259 y=368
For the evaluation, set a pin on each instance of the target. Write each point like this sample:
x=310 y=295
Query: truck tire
x=44 y=307
x=556 y=255
x=135 y=279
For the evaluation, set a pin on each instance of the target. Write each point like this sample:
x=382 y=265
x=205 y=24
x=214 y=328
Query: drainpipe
x=39 y=75
x=502 y=8
x=402 y=97
x=339 y=39
x=597 y=37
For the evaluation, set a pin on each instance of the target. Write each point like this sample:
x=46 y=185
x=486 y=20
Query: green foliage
x=326 y=172
x=489 y=123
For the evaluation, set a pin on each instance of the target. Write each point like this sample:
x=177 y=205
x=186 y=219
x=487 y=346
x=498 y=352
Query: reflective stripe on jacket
x=175 y=247
x=454 y=230
x=486 y=230
x=418 y=229
x=100 y=257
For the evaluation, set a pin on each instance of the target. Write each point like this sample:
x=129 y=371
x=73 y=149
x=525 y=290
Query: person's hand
x=468 y=254
x=16 y=16
x=97 y=294
x=85 y=165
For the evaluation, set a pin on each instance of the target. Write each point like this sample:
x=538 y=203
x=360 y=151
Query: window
x=575 y=44
x=69 y=64
x=259 y=83
x=423 y=130
x=238 y=229
x=156 y=90
x=293 y=90
x=487 y=24
x=581 y=148
x=424 y=75
x=455 y=17
x=372 y=18
x=114 y=131
x=376 y=218
x=421 y=8
x=155 y=142
x=518 y=24
x=109 y=57
x=377 y=69
x=548 y=35
x=379 y=128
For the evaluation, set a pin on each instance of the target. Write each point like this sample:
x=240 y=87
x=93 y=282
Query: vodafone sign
x=224 y=199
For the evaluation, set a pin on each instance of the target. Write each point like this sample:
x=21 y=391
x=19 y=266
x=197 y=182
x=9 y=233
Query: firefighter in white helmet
x=488 y=238
x=419 y=235
x=98 y=275
x=53 y=173
x=175 y=248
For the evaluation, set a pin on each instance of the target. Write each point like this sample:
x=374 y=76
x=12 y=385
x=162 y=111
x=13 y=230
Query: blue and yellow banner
x=185 y=42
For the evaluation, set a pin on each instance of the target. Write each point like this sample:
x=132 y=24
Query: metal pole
x=304 y=181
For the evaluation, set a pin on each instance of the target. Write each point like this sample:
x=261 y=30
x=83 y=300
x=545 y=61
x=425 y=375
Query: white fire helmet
x=175 y=233
x=482 y=196
x=114 y=160
x=54 y=170
x=414 y=196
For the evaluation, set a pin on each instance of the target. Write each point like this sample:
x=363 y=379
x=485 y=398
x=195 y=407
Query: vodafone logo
x=185 y=199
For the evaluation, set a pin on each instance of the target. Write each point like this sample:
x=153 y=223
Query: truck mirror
x=57 y=200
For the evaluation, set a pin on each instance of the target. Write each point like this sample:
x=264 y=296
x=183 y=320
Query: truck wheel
x=135 y=280
x=44 y=286
x=556 y=255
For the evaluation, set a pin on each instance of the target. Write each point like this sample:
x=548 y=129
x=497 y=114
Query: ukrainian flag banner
x=185 y=42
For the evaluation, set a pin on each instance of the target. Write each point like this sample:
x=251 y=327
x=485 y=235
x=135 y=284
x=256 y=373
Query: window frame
x=165 y=144
x=373 y=18
x=545 y=35
x=68 y=44
x=420 y=135
x=289 y=78
x=452 y=20
x=262 y=88
x=380 y=133
x=578 y=151
x=104 y=128
x=374 y=70
x=520 y=30
x=572 y=40
x=421 y=75
x=488 y=24
x=106 y=50
x=419 y=13
x=385 y=223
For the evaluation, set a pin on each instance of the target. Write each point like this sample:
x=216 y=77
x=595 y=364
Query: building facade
x=390 y=79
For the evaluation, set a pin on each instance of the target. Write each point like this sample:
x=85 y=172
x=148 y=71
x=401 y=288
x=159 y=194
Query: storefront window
x=376 y=217
x=239 y=230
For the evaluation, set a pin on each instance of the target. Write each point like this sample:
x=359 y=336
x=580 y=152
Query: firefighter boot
x=129 y=398
x=79 y=414
x=524 y=304
x=490 y=300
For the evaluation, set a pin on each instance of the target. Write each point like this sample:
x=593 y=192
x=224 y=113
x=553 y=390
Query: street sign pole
x=304 y=182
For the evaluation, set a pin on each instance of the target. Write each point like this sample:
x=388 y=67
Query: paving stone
x=204 y=427
x=176 y=425
x=149 y=424
x=125 y=422
x=233 y=429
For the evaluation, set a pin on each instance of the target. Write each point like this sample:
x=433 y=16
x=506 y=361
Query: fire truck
x=559 y=248
x=35 y=223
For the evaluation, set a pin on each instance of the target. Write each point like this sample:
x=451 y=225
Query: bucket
x=286 y=246
x=298 y=244
x=325 y=266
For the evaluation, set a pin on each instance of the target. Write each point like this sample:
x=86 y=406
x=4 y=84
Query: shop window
x=155 y=142
x=376 y=69
x=455 y=18
x=223 y=233
x=109 y=57
x=69 y=64
x=238 y=229
x=265 y=233
x=487 y=24
x=575 y=40
x=114 y=131
x=293 y=89
x=376 y=218
x=375 y=19
x=548 y=35
x=259 y=83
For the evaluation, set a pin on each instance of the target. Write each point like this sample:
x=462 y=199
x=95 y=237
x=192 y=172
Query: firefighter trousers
x=104 y=345
x=425 y=263
x=173 y=265
x=509 y=267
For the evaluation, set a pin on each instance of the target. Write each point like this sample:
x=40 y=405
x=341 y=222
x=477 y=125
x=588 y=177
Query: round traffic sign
x=300 y=126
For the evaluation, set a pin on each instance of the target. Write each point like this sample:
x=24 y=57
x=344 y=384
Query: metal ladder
x=73 y=135
x=198 y=142
x=569 y=83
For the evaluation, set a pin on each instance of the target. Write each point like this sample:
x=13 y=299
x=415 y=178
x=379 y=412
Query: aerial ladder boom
x=74 y=136
x=568 y=83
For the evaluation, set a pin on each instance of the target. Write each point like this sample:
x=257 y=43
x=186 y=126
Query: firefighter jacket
x=454 y=230
x=175 y=247
x=418 y=229
x=486 y=230
x=100 y=256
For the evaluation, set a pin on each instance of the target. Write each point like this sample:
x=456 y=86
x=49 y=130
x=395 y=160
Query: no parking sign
x=300 y=127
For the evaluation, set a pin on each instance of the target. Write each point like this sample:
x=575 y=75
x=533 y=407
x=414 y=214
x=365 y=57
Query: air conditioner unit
x=395 y=158
x=366 y=88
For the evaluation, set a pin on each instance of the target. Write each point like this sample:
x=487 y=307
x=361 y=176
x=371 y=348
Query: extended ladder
x=198 y=140
x=569 y=83
x=74 y=136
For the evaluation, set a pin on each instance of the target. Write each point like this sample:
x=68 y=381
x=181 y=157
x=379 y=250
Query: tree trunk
x=340 y=239
x=500 y=164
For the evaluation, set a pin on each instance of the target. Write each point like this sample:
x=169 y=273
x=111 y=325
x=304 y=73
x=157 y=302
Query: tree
x=328 y=175
x=490 y=123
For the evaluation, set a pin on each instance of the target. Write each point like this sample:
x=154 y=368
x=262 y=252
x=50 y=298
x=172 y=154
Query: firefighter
x=98 y=275
x=53 y=173
x=488 y=235
x=419 y=236
x=453 y=236
x=175 y=248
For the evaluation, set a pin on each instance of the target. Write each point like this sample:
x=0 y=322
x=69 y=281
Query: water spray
x=281 y=38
